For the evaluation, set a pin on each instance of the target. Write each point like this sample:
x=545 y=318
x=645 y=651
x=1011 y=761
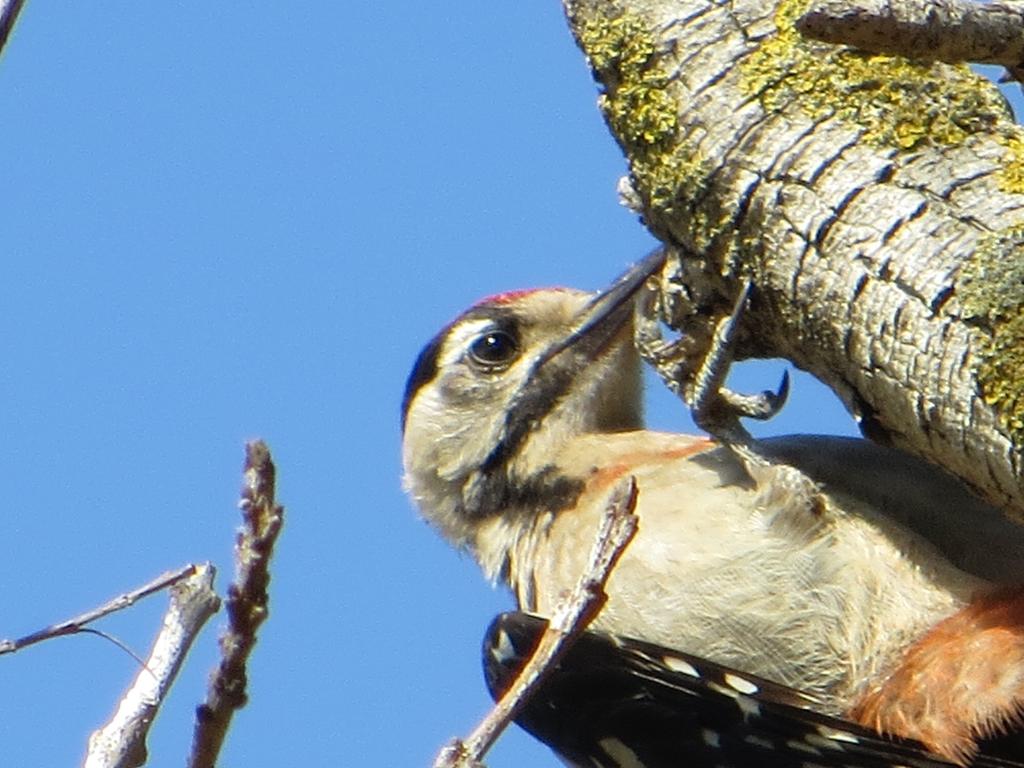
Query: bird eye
x=494 y=349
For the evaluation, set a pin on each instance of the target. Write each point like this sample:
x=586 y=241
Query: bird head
x=493 y=397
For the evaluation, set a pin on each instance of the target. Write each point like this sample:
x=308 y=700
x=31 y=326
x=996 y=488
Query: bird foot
x=696 y=365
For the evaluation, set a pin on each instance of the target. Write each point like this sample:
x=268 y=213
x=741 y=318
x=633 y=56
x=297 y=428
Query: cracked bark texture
x=875 y=202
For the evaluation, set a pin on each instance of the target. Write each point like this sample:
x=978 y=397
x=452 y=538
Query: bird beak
x=605 y=315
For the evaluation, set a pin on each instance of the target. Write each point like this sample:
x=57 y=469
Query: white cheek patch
x=445 y=436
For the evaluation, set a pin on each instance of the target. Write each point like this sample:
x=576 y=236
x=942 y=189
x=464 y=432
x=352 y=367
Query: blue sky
x=231 y=220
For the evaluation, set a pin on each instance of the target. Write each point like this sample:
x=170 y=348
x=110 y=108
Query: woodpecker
x=888 y=596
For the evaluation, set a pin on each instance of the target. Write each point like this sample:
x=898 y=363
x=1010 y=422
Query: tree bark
x=876 y=204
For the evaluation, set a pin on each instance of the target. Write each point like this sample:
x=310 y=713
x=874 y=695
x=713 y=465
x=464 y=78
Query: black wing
x=615 y=702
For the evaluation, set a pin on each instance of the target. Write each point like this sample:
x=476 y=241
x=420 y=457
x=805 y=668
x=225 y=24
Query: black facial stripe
x=497 y=493
x=423 y=372
x=548 y=384
x=546 y=388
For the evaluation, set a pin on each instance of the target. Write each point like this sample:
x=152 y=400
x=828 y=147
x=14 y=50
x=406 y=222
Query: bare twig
x=933 y=30
x=247 y=603
x=9 y=10
x=570 y=619
x=121 y=743
x=77 y=624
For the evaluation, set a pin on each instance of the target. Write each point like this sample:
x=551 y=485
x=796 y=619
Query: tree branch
x=247 y=605
x=574 y=614
x=931 y=30
x=77 y=624
x=9 y=10
x=121 y=743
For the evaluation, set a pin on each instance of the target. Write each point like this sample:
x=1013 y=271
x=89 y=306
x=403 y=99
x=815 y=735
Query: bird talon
x=762 y=406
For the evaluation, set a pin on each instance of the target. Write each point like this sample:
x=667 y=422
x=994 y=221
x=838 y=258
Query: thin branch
x=121 y=743
x=77 y=624
x=247 y=605
x=932 y=30
x=9 y=10
x=570 y=619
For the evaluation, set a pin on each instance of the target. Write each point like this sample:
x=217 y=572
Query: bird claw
x=762 y=406
x=697 y=371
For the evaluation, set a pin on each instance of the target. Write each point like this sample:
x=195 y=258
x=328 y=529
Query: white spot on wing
x=757 y=741
x=815 y=740
x=679 y=665
x=748 y=706
x=741 y=684
x=503 y=649
x=623 y=756
x=802 y=746
x=836 y=735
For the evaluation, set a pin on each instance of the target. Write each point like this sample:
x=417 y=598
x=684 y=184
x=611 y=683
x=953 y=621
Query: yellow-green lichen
x=1011 y=176
x=896 y=102
x=639 y=109
x=991 y=289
